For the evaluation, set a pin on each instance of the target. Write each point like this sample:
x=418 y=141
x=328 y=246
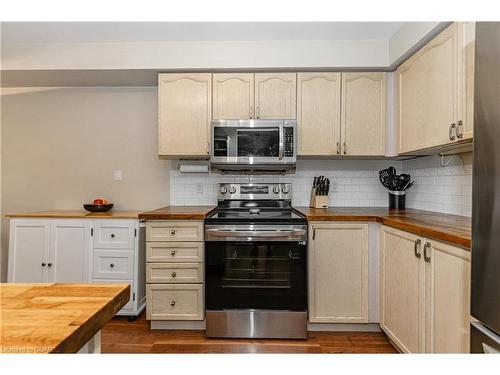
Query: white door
x=275 y=96
x=363 y=114
x=447 y=299
x=233 y=96
x=70 y=251
x=318 y=113
x=29 y=251
x=338 y=273
x=184 y=113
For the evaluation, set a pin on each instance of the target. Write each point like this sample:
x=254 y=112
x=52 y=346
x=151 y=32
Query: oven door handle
x=267 y=234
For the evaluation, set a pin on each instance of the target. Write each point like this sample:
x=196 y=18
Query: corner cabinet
x=184 y=114
x=338 y=272
x=435 y=91
x=425 y=292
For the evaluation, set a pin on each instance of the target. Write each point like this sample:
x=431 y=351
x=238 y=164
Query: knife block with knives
x=319 y=192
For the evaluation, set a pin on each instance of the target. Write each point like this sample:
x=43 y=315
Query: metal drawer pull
x=460 y=132
x=174 y=274
x=418 y=242
x=173 y=252
x=345 y=148
x=338 y=148
x=450 y=131
x=112 y=265
x=49 y=264
x=172 y=232
x=44 y=264
x=314 y=233
x=172 y=303
x=112 y=235
x=427 y=258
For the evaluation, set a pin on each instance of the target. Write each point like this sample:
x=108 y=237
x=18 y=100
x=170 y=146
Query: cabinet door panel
x=427 y=93
x=363 y=114
x=466 y=51
x=29 y=246
x=185 y=113
x=318 y=113
x=401 y=291
x=338 y=273
x=447 y=299
x=233 y=96
x=70 y=251
x=174 y=302
x=275 y=95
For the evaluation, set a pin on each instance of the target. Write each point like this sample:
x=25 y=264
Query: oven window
x=262 y=142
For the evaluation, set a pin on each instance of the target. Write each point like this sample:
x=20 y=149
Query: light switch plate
x=117 y=174
x=199 y=188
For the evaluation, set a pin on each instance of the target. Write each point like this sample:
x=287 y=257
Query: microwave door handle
x=281 y=145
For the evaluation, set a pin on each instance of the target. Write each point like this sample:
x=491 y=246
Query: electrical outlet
x=199 y=188
x=117 y=174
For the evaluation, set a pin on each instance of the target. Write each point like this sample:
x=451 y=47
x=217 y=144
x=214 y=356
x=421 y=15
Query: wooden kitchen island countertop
x=56 y=318
x=178 y=213
x=444 y=227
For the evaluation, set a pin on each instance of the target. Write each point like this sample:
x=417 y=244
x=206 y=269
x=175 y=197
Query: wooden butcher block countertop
x=78 y=214
x=56 y=318
x=178 y=213
x=449 y=228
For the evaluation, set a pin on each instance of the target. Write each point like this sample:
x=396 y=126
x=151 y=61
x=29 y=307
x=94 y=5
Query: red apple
x=98 y=201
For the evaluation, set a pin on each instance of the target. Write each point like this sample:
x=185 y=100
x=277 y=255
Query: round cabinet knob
x=223 y=190
x=173 y=252
x=232 y=190
x=112 y=235
x=174 y=274
x=284 y=190
x=44 y=264
x=276 y=190
x=172 y=303
x=172 y=232
x=112 y=265
x=49 y=264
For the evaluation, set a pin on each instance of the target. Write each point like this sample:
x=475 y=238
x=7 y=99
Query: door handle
x=338 y=148
x=450 y=131
x=345 y=148
x=314 y=233
x=460 y=132
x=416 y=248
x=427 y=258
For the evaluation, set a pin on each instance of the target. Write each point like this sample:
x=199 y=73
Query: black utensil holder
x=397 y=200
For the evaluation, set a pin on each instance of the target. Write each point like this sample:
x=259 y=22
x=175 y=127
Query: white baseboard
x=343 y=327
x=178 y=324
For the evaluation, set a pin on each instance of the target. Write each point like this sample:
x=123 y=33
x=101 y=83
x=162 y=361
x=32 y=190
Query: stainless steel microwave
x=254 y=145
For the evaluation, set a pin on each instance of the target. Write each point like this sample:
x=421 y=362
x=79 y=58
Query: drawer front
x=174 y=302
x=175 y=252
x=112 y=264
x=114 y=235
x=130 y=304
x=174 y=231
x=177 y=273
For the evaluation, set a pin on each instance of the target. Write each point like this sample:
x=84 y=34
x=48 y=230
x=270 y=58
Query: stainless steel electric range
x=255 y=264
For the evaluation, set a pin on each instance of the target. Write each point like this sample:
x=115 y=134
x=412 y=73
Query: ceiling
x=116 y=32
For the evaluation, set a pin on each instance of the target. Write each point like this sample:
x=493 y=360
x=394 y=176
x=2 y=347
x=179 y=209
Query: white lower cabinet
x=425 y=292
x=79 y=251
x=338 y=272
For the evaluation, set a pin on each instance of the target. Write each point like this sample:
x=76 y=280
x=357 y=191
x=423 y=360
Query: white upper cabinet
x=275 y=95
x=318 y=113
x=233 y=96
x=363 y=113
x=185 y=113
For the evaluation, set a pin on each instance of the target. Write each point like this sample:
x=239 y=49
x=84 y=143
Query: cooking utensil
x=391 y=171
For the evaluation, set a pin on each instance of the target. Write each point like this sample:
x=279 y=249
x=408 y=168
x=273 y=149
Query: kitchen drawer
x=174 y=231
x=174 y=252
x=130 y=304
x=174 y=302
x=178 y=273
x=113 y=264
x=114 y=234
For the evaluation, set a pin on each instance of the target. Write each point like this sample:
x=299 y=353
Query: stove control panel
x=255 y=191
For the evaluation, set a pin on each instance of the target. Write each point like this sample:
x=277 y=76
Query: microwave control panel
x=288 y=134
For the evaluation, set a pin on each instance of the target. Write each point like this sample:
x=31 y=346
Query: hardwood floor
x=122 y=336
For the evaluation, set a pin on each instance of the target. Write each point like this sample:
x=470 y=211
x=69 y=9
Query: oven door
x=267 y=275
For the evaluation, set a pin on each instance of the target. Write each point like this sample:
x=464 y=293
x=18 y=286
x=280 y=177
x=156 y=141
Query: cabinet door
x=318 y=113
x=185 y=113
x=70 y=251
x=447 y=299
x=338 y=273
x=401 y=302
x=466 y=55
x=275 y=95
x=29 y=245
x=427 y=94
x=363 y=114
x=233 y=96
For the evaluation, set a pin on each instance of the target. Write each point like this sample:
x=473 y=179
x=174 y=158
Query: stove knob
x=232 y=190
x=276 y=190
x=284 y=190
x=223 y=190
